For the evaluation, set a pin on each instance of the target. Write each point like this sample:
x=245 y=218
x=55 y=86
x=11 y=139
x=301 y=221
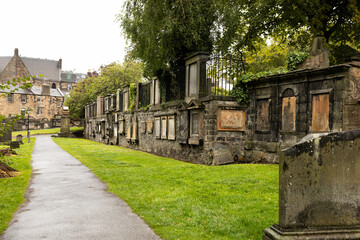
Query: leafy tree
x=10 y=87
x=163 y=32
x=242 y=23
x=110 y=78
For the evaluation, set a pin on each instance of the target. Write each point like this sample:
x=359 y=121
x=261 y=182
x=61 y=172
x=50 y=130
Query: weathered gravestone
x=6 y=136
x=19 y=138
x=14 y=145
x=65 y=124
x=319 y=191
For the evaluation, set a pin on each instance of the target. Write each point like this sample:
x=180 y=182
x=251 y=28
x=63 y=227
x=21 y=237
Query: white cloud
x=81 y=32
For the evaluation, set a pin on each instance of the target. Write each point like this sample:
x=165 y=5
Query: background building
x=44 y=99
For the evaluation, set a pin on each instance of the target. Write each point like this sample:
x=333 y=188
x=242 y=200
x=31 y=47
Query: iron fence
x=222 y=72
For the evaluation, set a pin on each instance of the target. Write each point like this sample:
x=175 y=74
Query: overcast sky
x=81 y=32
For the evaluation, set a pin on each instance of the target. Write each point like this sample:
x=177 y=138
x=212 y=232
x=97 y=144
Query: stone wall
x=139 y=130
x=285 y=108
x=215 y=130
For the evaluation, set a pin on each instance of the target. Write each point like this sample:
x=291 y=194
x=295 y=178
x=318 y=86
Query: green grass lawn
x=12 y=190
x=185 y=201
x=44 y=131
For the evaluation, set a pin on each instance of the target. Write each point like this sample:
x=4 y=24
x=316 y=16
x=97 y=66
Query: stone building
x=45 y=98
x=210 y=127
x=70 y=79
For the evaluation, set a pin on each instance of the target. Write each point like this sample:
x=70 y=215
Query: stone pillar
x=155 y=92
x=126 y=100
x=319 y=189
x=195 y=86
x=65 y=125
x=118 y=101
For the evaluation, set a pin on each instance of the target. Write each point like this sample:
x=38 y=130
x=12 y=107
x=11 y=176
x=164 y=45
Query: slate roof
x=36 y=91
x=3 y=62
x=20 y=91
x=49 y=68
x=36 y=66
x=56 y=92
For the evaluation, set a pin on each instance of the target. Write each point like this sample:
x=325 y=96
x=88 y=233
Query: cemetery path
x=65 y=200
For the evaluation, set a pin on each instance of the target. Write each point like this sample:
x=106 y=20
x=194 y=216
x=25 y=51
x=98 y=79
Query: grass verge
x=185 y=201
x=12 y=190
x=44 y=131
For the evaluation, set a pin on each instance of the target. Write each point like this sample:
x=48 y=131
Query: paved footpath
x=65 y=200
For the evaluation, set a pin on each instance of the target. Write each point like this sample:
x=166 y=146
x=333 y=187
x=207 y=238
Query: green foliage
x=341 y=53
x=266 y=56
x=181 y=200
x=295 y=58
x=132 y=96
x=220 y=91
x=242 y=24
x=162 y=33
x=111 y=78
x=240 y=90
x=12 y=190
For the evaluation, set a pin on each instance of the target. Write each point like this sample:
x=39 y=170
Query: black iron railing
x=222 y=72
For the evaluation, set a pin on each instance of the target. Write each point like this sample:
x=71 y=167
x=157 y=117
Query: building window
x=51 y=111
x=69 y=86
x=39 y=99
x=68 y=77
x=11 y=97
x=58 y=104
x=38 y=111
x=23 y=98
x=53 y=86
x=23 y=111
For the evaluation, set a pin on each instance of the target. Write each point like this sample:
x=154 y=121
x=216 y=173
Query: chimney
x=16 y=52
x=60 y=63
x=45 y=91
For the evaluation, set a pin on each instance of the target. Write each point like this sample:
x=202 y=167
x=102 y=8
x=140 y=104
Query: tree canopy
x=242 y=23
x=163 y=32
x=110 y=78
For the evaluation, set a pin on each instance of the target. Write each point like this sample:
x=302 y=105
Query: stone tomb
x=319 y=189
